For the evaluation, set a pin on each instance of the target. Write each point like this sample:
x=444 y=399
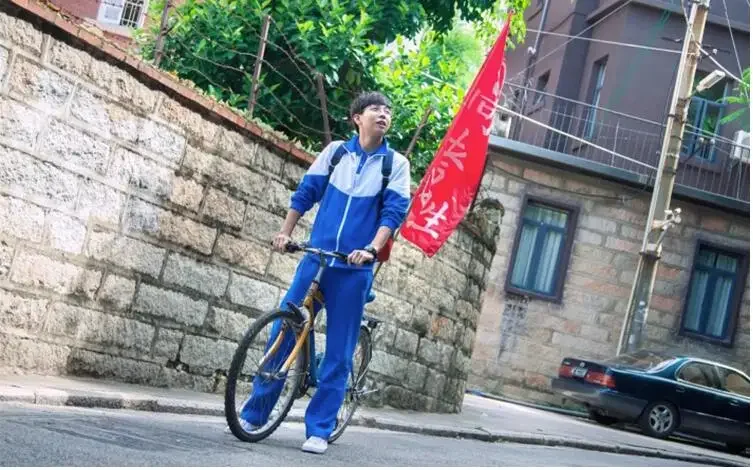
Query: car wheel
x=660 y=419
x=736 y=447
x=601 y=419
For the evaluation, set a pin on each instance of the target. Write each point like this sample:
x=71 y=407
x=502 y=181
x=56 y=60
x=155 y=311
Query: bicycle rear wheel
x=251 y=367
x=361 y=358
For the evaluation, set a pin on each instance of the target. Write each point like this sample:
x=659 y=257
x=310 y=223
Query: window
x=705 y=114
x=597 y=84
x=714 y=293
x=541 y=85
x=698 y=373
x=129 y=13
x=733 y=382
x=542 y=247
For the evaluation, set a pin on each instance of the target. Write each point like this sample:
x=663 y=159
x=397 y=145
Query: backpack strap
x=336 y=157
x=387 y=169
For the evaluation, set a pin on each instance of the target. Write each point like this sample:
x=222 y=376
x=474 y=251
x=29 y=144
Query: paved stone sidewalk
x=481 y=419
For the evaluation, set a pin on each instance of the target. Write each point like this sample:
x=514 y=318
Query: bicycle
x=299 y=368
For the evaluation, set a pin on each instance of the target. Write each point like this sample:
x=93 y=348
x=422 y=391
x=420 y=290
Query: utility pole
x=660 y=218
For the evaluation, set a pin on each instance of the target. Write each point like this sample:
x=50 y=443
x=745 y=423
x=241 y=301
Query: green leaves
x=356 y=45
x=741 y=99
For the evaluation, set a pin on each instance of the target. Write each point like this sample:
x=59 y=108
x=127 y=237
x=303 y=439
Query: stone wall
x=135 y=220
x=521 y=341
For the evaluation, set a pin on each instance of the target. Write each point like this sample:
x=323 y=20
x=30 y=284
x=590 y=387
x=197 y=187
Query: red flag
x=452 y=180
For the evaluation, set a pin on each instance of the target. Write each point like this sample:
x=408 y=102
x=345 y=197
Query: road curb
x=553 y=409
x=103 y=400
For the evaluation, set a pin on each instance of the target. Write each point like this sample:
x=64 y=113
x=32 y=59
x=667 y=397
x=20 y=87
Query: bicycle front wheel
x=361 y=358
x=255 y=375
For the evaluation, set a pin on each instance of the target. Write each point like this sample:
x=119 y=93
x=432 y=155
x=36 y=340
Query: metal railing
x=709 y=163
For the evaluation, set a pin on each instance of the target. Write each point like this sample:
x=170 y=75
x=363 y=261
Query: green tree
x=742 y=99
x=355 y=45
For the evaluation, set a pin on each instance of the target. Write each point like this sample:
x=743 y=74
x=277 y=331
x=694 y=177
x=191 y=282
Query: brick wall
x=135 y=219
x=520 y=341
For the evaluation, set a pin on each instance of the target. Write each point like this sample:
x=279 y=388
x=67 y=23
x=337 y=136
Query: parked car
x=662 y=394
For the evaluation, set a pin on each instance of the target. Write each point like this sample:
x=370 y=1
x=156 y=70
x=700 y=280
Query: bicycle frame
x=309 y=315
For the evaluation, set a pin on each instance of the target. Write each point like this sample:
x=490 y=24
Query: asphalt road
x=42 y=436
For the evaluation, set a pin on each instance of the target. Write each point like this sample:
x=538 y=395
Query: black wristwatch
x=371 y=250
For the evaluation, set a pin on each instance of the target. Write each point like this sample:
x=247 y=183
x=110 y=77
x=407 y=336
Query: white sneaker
x=315 y=445
x=248 y=427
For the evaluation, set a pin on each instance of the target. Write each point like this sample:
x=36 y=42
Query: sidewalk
x=481 y=419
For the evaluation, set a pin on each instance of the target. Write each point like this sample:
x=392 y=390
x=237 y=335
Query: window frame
x=691 y=137
x=736 y=298
x=722 y=383
x=539 y=98
x=589 y=121
x=715 y=379
x=119 y=24
x=561 y=269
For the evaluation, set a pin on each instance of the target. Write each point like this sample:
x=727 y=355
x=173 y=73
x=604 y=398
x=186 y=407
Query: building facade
x=576 y=198
x=117 y=18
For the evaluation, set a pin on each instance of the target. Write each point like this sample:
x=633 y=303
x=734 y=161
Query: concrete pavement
x=482 y=419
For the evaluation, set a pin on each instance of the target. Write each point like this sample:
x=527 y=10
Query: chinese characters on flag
x=452 y=180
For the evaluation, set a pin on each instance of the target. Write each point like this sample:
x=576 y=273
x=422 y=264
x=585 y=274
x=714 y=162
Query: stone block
x=594 y=332
x=226 y=174
x=170 y=305
x=167 y=344
x=631 y=232
x=20 y=125
x=64 y=233
x=624 y=215
x=230 y=324
x=6 y=257
x=26 y=174
x=207 y=354
x=137 y=172
x=21 y=33
x=65 y=57
x=35 y=270
x=244 y=253
x=99 y=202
x=220 y=206
x=197 y=129
x=144 y=217
x=253 y=293
x=124 y=87
x=75 y=147
x=161 y=141
x=588 y=237
x=4 y=57
x=117 y=292
x=592 y=252
x=598 y=224
x=430 y=351
x=262 y=224
x=106 y=366
x=23 y=313
x=282 y=267
x=276 y=197
x=234 y=146
x=202 y=277
x=21 y=219
x=33 y=355
x=126 y=252
x=39 y=86
x=386 y=306
x=442 y=328
x=406 y=341
x=388 y=365
x=435 y=383
x=415 y=376
x=90 y=326
x=268 y=160
x=187 y=193
x=94 y=110
x=542 y=178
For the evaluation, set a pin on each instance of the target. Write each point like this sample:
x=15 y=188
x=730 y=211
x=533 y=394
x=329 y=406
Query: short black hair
x=366 y=99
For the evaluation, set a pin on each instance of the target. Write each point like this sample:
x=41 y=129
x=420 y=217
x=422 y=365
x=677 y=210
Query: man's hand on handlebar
x=359 y=257
x=280 y=242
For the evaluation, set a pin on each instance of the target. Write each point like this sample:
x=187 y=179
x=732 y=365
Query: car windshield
x=643 y=360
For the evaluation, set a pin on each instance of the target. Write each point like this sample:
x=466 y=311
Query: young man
x=356 y=216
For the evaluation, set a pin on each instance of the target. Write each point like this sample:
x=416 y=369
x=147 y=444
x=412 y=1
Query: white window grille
x=128 y=13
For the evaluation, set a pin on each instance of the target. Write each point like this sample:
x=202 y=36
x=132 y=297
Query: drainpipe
x=531 y=58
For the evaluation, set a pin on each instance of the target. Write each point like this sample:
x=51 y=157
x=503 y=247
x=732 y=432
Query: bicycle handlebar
x=294 y=247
